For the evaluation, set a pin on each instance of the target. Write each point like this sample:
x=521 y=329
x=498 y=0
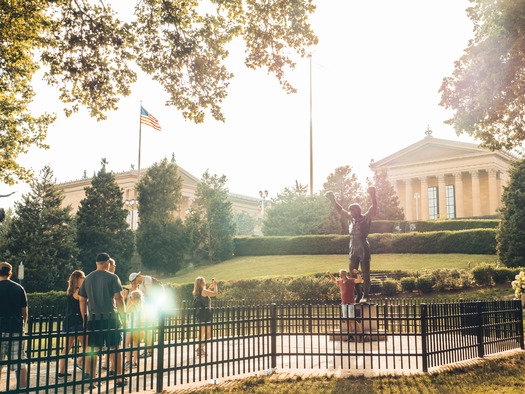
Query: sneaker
x=122 y=383
x=111 y=373
x=145 y=354
x=363 y=301
x=63 y=375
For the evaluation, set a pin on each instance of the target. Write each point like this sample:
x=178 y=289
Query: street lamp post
x=263 y=195
x=416 y=196
x=132 y=203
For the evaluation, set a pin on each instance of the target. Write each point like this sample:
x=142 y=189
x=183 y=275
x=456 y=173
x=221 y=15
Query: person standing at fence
x=359 y=228
x=101 y=303
x=109 y=362
x=202 y=308
x=13 y=319
x=134 y=324
x=153 y=298
x=347 y=288
x=73 y=322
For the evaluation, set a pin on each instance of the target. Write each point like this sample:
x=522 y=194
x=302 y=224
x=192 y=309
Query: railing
x=400 y=336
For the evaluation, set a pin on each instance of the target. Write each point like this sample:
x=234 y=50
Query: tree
x=294 y=212
x=347 y=189
x=387 y=199
x=91 y=55
x=487 y=88
x=161 y=238
x=244 y=223
x=159 y=191
x=101 y=223
x=211 y=219
x=42 y=236
x=510 y=235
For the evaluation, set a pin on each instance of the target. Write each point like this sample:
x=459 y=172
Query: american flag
x=148 y=119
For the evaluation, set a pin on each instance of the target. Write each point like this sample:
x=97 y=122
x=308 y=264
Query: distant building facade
x=437 y=178
x=127 y=180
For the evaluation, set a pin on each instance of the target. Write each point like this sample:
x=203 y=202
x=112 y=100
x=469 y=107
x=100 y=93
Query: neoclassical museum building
x=127 y=180
x=437 y=178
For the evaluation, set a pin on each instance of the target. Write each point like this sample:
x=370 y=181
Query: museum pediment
x=432 y=149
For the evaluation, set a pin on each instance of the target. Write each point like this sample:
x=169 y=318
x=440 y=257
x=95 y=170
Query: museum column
x=458 y=194
x=424 y=198
x=442 y=199
x=409 y=197
x=493 y=192
x=476 y=200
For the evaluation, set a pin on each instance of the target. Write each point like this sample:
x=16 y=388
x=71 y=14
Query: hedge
x=395 y=226
x=479 y=241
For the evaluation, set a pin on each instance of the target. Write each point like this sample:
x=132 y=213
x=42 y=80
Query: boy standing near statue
x=347 y=287
x=359 y=228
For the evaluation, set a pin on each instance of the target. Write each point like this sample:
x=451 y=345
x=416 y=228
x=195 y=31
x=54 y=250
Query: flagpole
x=140 y=141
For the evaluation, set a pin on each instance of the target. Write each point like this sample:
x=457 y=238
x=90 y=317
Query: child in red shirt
x=347 y=287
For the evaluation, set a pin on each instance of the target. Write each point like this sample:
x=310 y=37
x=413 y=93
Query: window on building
x=450 y=195
x=433 y=206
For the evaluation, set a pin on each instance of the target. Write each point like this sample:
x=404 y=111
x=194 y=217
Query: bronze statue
x=359 y=228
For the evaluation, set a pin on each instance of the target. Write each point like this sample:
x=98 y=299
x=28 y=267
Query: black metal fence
x=397 y=336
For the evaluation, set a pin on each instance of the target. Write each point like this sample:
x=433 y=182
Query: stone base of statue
x=366 y=316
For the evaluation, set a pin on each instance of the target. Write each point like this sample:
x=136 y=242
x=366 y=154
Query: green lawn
x=300 y=265
x=495 y=375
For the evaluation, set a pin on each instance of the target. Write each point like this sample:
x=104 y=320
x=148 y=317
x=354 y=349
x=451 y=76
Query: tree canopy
x=487 y=88
x=510 y=235
x=101 y=223
x=161 y=237
x=92 y=56
x=42 y=236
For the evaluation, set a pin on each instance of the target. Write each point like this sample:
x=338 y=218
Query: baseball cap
x=102 y=257
x=133 y=276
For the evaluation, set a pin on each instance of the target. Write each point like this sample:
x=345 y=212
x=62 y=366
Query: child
x=347 y=287
x=135 y=335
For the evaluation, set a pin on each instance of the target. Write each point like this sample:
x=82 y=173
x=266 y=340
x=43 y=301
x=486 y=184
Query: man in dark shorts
x=101 y=300
x=13 y=319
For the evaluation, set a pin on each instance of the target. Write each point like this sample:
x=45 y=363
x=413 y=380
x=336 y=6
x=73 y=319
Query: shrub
x=390 y=287
x=425 y=284
x=503 y=275
x=47 y=303
x=408 y=283
x=451 y=279
x=483 y=274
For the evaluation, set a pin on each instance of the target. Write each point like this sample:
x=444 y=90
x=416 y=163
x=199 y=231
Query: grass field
x=301 y=265
x=497 y=375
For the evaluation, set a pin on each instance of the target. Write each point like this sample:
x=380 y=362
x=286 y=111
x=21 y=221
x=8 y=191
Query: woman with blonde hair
x=73 y=320
x=202 y=309
x=134 y=314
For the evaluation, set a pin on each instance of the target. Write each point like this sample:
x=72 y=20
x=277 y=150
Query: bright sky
x=376 y=74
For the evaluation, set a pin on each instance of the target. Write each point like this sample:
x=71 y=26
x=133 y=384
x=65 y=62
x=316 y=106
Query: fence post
x=424 y=337
x=479 y=315
x=519 y=317
x=160 y=354
x=273 y=335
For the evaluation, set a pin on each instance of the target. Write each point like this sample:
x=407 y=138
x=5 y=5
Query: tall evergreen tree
x=387 y=199
x=42 y=236
x=211 y=218
x=347 y=189
x=101 y=223
x=161 y=238
x=510 y=235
